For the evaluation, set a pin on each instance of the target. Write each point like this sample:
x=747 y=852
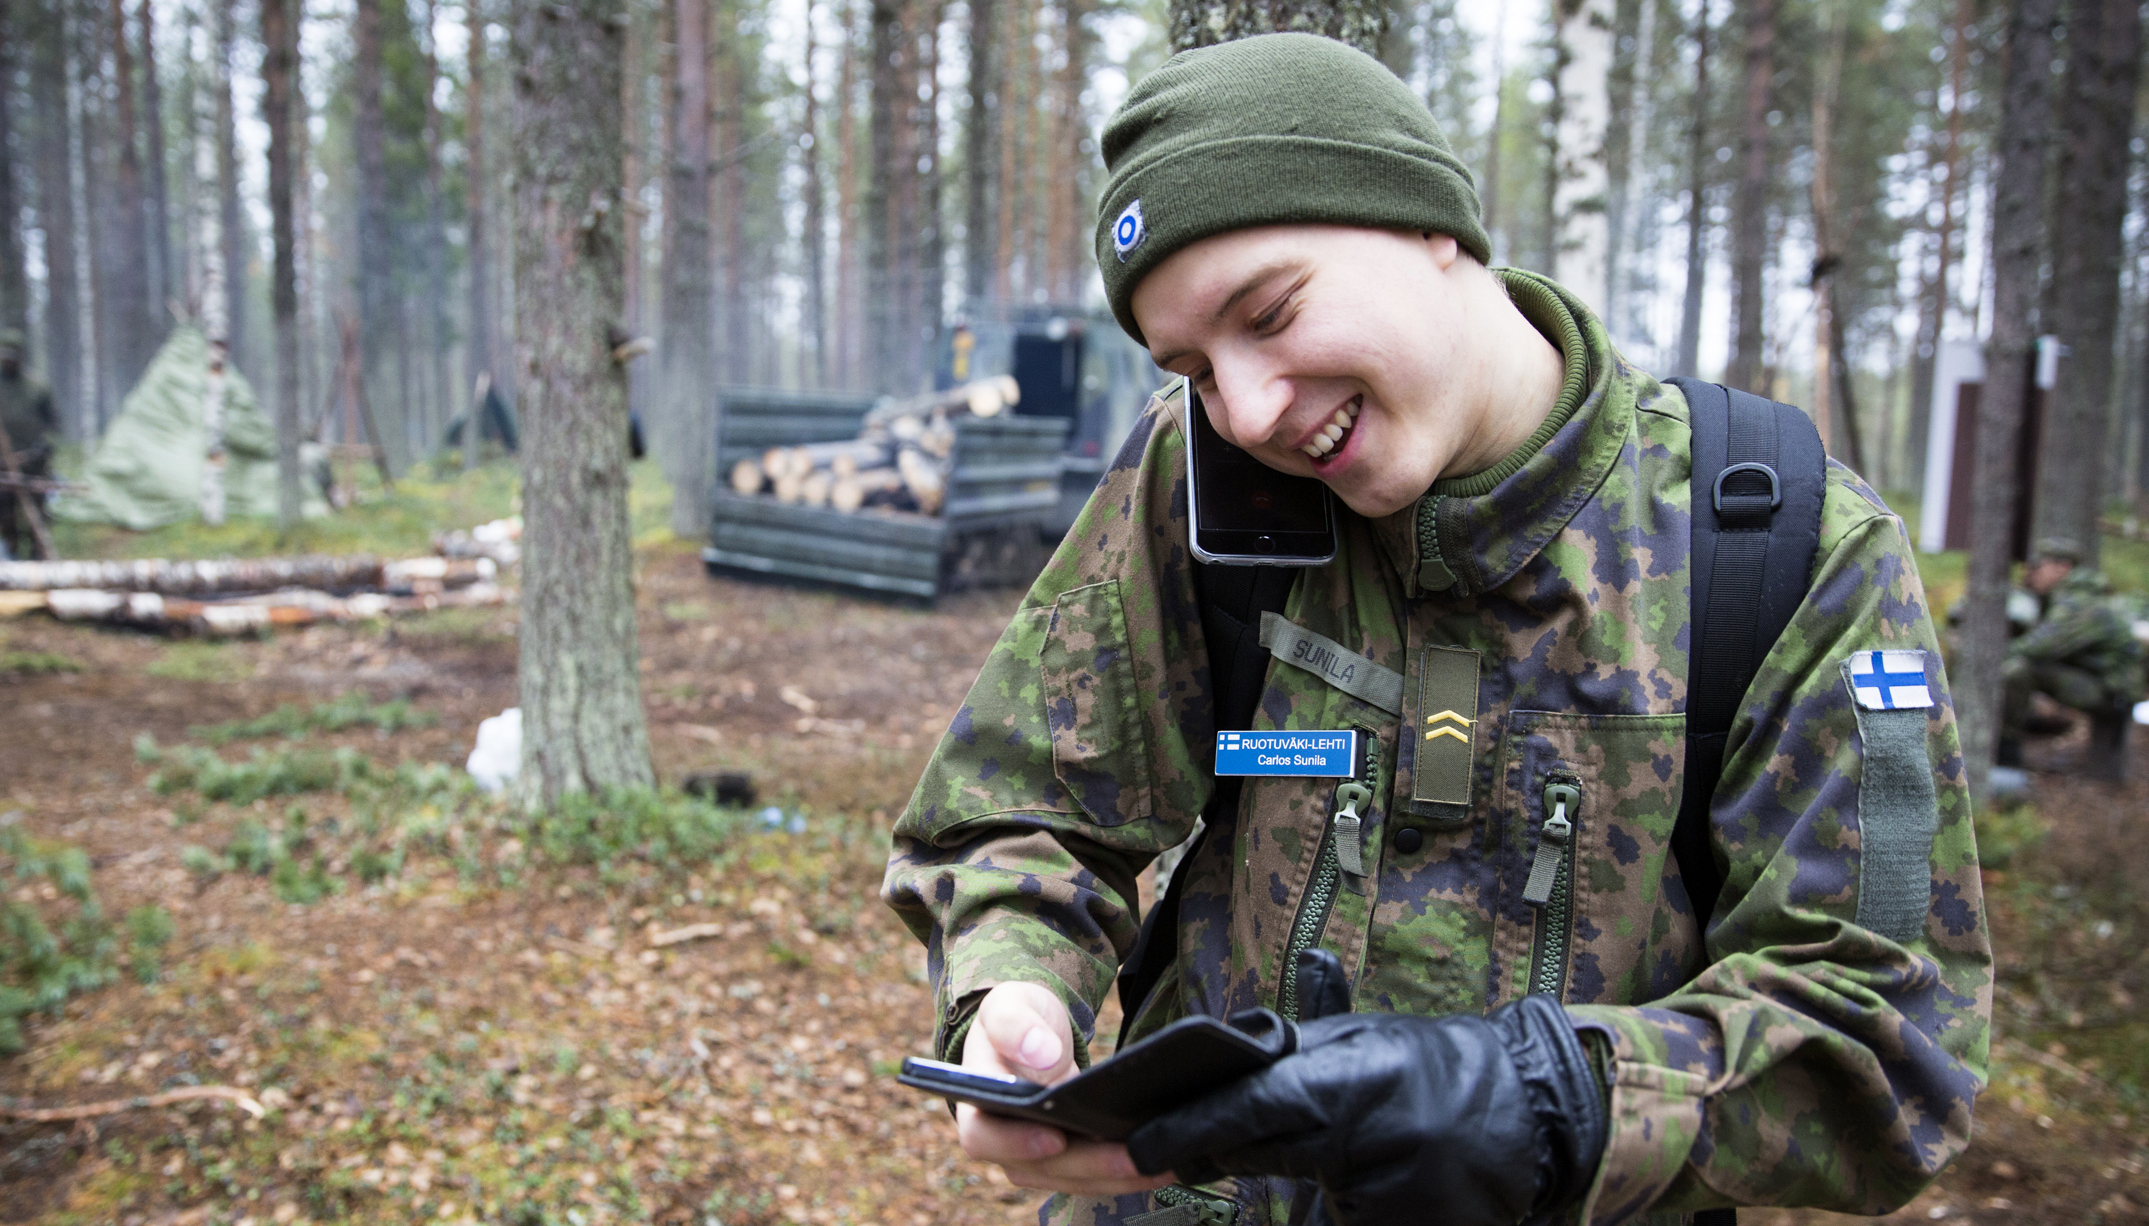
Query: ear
x=1444 y=249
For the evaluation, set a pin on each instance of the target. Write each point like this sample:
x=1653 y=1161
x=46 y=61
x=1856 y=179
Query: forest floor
x=452 y=1014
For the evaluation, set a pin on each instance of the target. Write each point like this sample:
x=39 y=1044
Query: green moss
x=40 y=967
x=349 y=711
x=196 y=661
x=36 y=662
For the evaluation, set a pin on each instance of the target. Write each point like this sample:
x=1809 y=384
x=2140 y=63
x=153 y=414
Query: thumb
x=1029 y=1031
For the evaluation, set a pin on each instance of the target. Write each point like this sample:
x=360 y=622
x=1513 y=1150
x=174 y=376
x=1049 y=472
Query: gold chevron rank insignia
x=1446 y=748
x=1451 y=717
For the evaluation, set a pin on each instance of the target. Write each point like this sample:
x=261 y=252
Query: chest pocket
x=1093 y=707
x=1591 y=906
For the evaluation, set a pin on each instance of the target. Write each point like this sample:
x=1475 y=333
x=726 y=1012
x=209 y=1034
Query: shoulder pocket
x=1100 y=739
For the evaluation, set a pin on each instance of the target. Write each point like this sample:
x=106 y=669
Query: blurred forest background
x=1790 y=195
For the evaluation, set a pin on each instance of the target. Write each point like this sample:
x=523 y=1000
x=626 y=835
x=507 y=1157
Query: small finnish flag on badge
x=1129 y=231
x=1890 y=680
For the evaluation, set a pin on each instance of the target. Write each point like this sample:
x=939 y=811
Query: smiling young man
x=1544 y=1028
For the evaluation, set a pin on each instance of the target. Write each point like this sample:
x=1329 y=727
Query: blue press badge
x=1328 y=755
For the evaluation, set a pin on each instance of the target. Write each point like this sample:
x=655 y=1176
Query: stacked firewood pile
x=243 y=596
x=900 y=459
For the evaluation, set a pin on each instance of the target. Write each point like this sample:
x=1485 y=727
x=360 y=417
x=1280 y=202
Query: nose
x=1250 y=400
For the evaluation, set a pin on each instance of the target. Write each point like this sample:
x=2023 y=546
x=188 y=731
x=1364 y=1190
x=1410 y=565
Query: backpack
x=1759 y=477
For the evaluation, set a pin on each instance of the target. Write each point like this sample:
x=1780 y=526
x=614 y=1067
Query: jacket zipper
x=1342 y=850
x=1551 y=888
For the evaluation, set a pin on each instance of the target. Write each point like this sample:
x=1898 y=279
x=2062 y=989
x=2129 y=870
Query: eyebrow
x=1254 y=280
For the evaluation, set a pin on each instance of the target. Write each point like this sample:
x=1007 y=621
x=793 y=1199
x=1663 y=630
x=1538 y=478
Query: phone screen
x=1245 y=512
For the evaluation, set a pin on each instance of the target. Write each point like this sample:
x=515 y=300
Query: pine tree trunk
x=92 y=126
x=1201 y=23
x=1016 y=59
x=373 y=260
x=727 y=138
x=981 y=135
x=14 y=284
x=1624 y=134
x=633 y=119
x=1697 y=211
x=816 y=240
x=1749 y=233
x=2018 y=209
x=849 y=316
x=279 y=63
x=882 y=280
x=1934 y=302
x=163 y=283
x=690 y=408
x=307 y=268
x=1581 y=258
x=56 y=213
x=127 y=296
x=932 y=217
x=436 y=248
x=232 y=223
x=2097 y=119
x=582 y=721
x=476 y=234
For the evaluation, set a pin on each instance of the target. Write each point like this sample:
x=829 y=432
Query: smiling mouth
x=1330 y=438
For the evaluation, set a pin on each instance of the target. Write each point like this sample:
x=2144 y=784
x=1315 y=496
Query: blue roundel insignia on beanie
x=1129 y=231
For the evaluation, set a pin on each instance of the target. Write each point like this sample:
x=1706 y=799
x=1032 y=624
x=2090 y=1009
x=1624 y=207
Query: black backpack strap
x=1232 y=599
x=1759 y=477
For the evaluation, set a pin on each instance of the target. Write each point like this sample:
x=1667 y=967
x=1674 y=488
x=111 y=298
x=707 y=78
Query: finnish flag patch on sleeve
x=1889 y=680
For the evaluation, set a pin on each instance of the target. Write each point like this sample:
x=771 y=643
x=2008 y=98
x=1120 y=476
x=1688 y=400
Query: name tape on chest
x=1889 y=680
x=1334 y=663
x=1318 y=754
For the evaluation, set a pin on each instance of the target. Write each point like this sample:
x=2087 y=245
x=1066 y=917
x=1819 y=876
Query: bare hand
x=1022 y=1030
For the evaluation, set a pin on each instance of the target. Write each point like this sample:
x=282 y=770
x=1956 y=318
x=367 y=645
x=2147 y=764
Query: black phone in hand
x=1112 y=1098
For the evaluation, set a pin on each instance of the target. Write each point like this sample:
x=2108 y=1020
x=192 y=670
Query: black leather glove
x=1473 y=1121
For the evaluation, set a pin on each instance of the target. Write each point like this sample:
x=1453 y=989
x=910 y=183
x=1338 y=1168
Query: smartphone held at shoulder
x=1242 y=512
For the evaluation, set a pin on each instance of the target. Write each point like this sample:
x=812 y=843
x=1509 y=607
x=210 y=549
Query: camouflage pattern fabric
x=27 y=416
x=1773 y=1053
x=2085 y=628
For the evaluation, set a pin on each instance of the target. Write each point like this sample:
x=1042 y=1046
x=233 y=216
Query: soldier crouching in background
x=27 y=416
x=2082 y=652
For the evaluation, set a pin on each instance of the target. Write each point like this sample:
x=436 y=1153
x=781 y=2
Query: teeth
x=1311 y=450
x=1334 y=432
x=1325 y=443
x=1343 y=419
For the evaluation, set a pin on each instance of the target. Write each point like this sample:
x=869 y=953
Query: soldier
x=2082 y=652
x=26 y=414
x=1286 y=228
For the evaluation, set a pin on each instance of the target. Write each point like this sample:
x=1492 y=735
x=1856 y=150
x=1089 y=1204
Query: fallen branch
x=692 y=932
x=86 y=1111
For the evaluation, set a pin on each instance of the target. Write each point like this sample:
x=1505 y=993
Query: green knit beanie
x=1271 y=130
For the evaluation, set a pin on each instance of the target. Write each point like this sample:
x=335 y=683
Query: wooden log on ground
x=841 y=458
x=853 y=492
x=747 y=476
x=925 y=478
x=813 y=489
x=983 y=398
x=204 y=578
x=788 y=487
x=255 y=614
x=776 y=464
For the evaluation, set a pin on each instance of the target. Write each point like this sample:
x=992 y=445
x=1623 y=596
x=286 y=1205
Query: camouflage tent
x=150 y=467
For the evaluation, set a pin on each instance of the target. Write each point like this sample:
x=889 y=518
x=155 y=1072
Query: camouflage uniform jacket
x=2084 y=626
x=1783 y=1056
x=27 y=416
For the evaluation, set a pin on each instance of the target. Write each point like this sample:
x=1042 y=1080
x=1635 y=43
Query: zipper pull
x=1561 y=799
x=1350 y=853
